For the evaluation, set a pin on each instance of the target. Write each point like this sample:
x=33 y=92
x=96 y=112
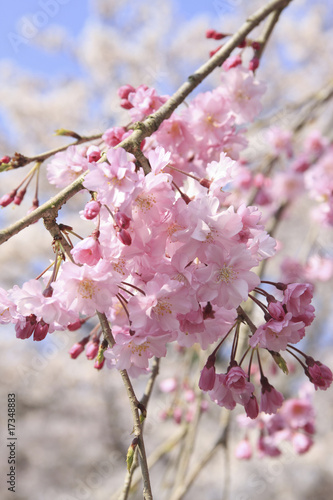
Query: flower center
x=226 y=274
x=87 y=289
x=162 y=307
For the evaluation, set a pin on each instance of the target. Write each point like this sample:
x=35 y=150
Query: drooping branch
x=135 y=405
x=20 y=160
x=48 y=209
x=152 y=122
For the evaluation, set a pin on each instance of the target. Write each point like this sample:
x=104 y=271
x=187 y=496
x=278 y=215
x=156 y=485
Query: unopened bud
x=205 y=183
x=93 y=153
x=91 y=210
x=122 y=220
x=41 y=330
x=19 y=197
x=254 y=64
x=5 y=159
x=6 y=199
x=125 y=90
x=213 y=52
x=124 y=237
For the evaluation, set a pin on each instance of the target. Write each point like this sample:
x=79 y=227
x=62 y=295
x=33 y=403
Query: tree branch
x=20 y=160
x=134 y=404
x=48 y=209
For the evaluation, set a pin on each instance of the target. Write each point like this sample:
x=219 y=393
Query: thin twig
x=20 y=160
x=134 y=404
x=221 y=441
x=48 y=209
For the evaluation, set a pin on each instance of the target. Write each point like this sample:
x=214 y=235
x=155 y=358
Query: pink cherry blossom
x=87 y=251
x=86 y=289
x=276 y=335
x=67 y=166
x=320 y=375
x=271 y=399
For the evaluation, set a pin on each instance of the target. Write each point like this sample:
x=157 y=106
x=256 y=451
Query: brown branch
x=220 y=442
x=20 y=160
x=48 y=209
x=135 y=405
x=268 y=29
x=152 y=122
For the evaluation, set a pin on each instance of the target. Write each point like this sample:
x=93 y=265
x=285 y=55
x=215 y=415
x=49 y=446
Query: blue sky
x=72 y=15
x=20 y=21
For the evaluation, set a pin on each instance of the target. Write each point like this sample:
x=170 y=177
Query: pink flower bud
x=99 y=365
x=124 y=103
x=320 y=375
x=6 y=199
x=75 y=326
x=76 y=350
x=87 y=251
x=125 y=90
x=35 y=204
x=256 y=45
x=26 y=327
x=122 y=220
x=5 y=159
x=41 y=330
x=210 y=33
x=218 y=36
x=251 y=407
x=91 y=210
x=92 y=349
x=232 y=62
x=213 y=52
x=189 y=396
x=124 y=237
x=205 y=183
x=271 y=399
x=93 y=153
x=19 y=197
x=207 y=378
x=276 y=310
x=254 y=64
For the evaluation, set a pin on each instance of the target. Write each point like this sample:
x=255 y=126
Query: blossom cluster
x=171 y=259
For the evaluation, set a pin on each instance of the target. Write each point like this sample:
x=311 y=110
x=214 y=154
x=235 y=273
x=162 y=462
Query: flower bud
x=124 y=237
x=5 y=159
x=232 y=62
x=93 y=153
x=254 y=63
x=99 y=364
x=122 y=220
x=76 y=350
x=125 y=90
x=91 y=210
x=19 y=197
x=6 y=199
x=92 y=349
x=41 y=330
